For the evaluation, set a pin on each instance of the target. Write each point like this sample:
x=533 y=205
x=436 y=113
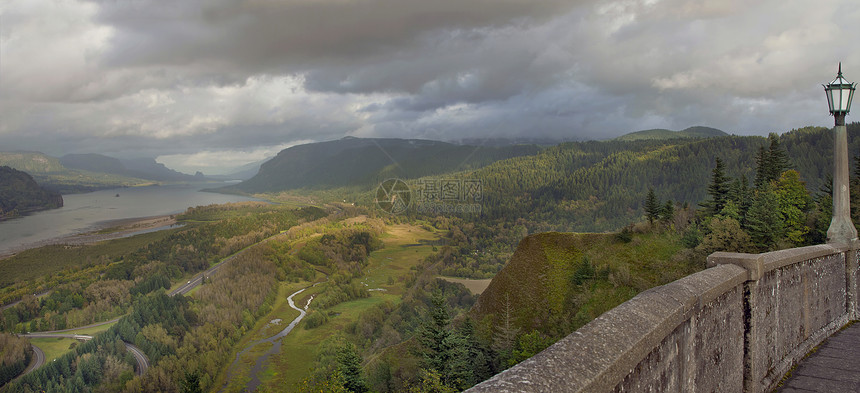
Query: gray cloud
x=173 y=78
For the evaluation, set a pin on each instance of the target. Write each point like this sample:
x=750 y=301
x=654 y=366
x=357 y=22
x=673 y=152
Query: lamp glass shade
x=839 y=93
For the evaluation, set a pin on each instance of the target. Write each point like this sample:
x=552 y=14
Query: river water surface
x=88 y=212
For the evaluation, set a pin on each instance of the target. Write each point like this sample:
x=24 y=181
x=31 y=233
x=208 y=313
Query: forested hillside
x=366 y=162
x=20 y=194
x=598 y=186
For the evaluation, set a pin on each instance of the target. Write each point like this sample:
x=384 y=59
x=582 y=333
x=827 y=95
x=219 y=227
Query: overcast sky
x=208 y=84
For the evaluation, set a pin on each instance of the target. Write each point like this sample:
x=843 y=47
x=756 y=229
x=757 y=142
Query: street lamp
x=839 y=94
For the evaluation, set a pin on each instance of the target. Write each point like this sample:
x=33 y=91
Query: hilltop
x=20 y=194
x=661 y=133
x=367 y=161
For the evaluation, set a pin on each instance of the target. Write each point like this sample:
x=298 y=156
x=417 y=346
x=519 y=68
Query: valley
x=318 y=287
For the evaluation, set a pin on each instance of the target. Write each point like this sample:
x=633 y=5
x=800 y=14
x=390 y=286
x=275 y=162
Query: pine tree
x=652 y=206
x=349 y=365
x=761 y=172
x=770 y=162
x=718 y=189
x=667 y=213
x=434 y=335
x=191 y=383
x=478 y=353
x=794 y=201
x=777 y=159
x=764 y=221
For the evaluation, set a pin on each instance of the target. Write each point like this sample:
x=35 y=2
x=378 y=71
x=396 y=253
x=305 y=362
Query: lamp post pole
x=839 y=94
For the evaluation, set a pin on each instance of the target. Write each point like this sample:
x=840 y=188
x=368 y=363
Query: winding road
x=139 y=356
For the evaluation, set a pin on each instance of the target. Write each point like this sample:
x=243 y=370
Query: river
x=91 y=211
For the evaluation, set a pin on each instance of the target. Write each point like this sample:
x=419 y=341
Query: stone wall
x=737 y=326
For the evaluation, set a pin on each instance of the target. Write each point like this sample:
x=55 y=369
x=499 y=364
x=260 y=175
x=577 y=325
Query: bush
x=315 y=319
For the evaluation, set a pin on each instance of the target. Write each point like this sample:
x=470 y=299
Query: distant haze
x=211 y=85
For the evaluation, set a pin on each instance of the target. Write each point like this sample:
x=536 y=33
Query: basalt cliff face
x=20 y=194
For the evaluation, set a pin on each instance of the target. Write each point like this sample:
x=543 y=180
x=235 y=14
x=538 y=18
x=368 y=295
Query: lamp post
x=839 y=94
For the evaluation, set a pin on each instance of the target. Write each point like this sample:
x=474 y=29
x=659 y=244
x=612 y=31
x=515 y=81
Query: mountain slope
x=141 y=168
x=364 y=162
x=556 y=282
x=31 y=162
x=659 y=133
x=600 y=186
x=20 y=194
x=52 y=175
x=148 y=168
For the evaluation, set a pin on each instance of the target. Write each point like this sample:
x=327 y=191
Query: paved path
x=834 y=367
x=39 y=358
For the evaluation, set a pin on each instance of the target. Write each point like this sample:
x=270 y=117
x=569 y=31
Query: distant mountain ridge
x=365 y=161
x=20 y=194
x=48 y=172
x=660 y=133
x=141 y=168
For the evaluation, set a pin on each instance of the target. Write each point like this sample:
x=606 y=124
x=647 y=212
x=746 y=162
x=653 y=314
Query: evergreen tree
x=667 y=213
x=652 y=206
x=478 y=353
x=718 y=189
x=777 y=158
x=349 y=365
x=445 y=352
x=764 y=221
x=793 y=204
x=761 y=163
x=433 y=335
x=191 y=383
x=458 y=372
x=771 y=162
x=584 y=272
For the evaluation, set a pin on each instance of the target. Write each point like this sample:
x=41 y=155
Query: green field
x=93 y=330
x=405 y=246
x=263 y=329
x=54 y=347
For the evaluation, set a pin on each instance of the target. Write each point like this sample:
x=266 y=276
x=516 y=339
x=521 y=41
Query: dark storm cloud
x=180 y=77
x=264 y=36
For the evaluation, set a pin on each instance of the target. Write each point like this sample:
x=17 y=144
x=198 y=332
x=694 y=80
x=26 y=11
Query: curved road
x=139 y=356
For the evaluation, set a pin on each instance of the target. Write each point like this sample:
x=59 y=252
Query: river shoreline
x=102 y=231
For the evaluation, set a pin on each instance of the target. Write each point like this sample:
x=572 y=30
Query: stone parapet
x=737 y=326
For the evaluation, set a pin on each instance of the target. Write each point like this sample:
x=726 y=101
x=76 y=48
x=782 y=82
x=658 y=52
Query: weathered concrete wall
x=737 y=326
x=680 y=337
x=795 y=299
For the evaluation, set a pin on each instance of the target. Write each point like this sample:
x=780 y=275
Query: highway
x=140 y=357
x=198 y=278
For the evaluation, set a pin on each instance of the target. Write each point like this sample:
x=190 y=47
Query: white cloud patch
x=224 y=161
